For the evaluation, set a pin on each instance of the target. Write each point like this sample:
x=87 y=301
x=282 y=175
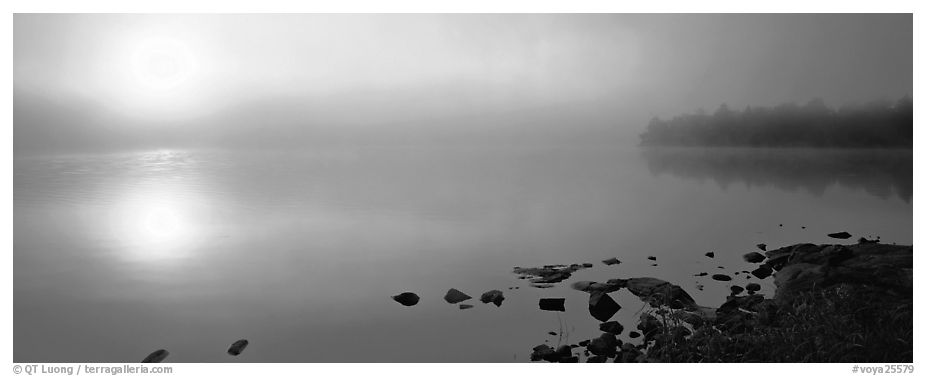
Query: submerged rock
x=553 y=304
x=753 y=257
x=541 y=285
x=701 y=274
x=601 y=306
x=611 y=261
x=612 y=327
x=407 y=299
x=156 y=357
x=237 y=347
x=493 y=296
x=721 y=277
x=587 y=265
x=840 y=235
x=455 y=296
x=549 y=273
x=466 y=306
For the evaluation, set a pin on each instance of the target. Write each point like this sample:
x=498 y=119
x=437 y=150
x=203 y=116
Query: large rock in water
x=553 y=304
x=407 y=299
x=657 y=292
x=753 y=257
x=455 y=296
x=237 y=347
x=493 y=296
x=601 y=306
x=156 y=357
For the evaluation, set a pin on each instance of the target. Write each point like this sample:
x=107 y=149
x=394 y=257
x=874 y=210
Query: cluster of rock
x=159 y=355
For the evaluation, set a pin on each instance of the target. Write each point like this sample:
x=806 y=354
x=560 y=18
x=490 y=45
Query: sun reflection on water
x=158 y=218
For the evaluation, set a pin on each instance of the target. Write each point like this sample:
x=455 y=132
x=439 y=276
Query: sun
x=163 y=64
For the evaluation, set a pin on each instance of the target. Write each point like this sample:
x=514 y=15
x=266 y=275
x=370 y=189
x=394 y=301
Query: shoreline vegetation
x=877 y=124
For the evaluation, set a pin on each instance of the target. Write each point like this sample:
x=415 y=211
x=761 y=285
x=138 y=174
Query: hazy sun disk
x=154 y=76
x=163 y=64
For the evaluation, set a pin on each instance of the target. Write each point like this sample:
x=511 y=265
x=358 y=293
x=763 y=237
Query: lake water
x=118 y=255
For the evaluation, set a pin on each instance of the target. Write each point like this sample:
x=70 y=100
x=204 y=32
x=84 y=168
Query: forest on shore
x=876 y=124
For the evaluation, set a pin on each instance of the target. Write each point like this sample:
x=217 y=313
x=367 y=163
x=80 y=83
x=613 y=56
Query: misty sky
x=100 y=82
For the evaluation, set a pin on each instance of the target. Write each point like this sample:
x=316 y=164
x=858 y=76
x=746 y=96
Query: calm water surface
x=118 y=255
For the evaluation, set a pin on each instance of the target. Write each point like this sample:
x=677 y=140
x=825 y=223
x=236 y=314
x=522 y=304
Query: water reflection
x=881 y=173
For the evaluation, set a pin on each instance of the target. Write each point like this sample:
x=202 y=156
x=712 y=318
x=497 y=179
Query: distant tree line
x=872 y=125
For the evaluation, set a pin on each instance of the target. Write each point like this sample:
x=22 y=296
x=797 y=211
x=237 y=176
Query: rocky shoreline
x=832 y=303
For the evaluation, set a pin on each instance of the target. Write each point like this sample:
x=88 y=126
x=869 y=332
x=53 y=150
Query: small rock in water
x=633 y=334
x=156 y=357
x=606 y=345
x=709 y=254
x=407 y=299
x=840 y=235
x=553 y=304
x=761 y=246
x=762 y=272
x=780 y=225
x=701 y=274
x=612 y=327
x=237 y=347
x=551 y=333
x=736 y=289
x=736 y=273
x=541 y=285
x=611 y=261
x=654 y=265
x=493 y=296
x=721 y=277
x=652 y=258
x=803 y=227
x=455 y=296
x=753 y=257
x=466 y=306
x=721 y=267
x=752 y=287
x=601 y=306
x=587 y=265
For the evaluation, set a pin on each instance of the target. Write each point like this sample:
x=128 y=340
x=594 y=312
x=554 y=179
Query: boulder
x=762 y=272
x=407 y=299
x=606 y=345
x=601 y=306
x=455 y=296
x=658 y=293
x=542 y=352
x=553 y=304
x=156 y=357
x=753 y=257
x=493 y=296
x=237 y=347
x=612 y=327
